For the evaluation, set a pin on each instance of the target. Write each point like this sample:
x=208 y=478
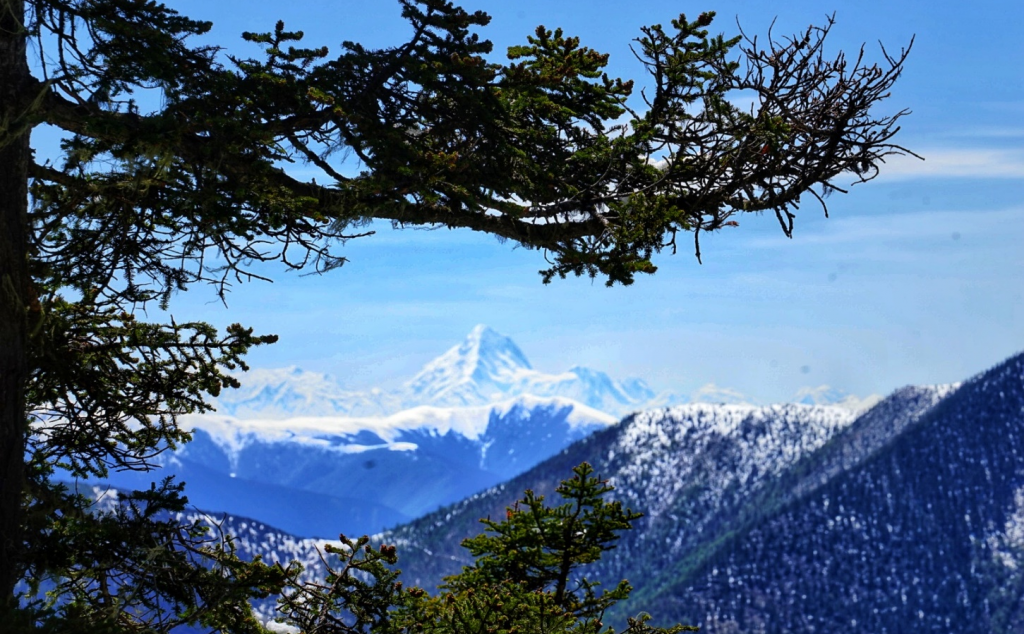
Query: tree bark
x=15 y=155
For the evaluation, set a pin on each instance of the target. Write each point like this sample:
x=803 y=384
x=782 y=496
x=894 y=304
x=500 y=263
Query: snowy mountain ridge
x=684 y=467
x=291 y=391
x=318 y=475
x=298 y=451
x=347 y=434
x=715 y=483
x=486 y=368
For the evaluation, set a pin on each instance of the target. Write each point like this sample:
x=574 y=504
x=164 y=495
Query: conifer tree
x=146 y=201
x=527 y=577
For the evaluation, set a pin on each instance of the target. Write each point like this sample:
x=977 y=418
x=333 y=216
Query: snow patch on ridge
x=721 y=446
x=232 y=434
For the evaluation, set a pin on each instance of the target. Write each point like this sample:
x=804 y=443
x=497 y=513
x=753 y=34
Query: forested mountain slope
x=736 y=531
x=690 y=469
x=924 y=535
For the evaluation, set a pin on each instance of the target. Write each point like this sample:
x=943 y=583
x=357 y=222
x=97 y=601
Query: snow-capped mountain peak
x=487 y=367
x=484 y=366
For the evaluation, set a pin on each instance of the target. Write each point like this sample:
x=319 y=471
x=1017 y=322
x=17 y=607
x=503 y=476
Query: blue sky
x=915 y=278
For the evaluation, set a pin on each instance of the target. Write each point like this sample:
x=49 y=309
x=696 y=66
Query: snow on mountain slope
x=920 y=534
x=719 y=448
x=317 y=476
x=285 y=392
x=488 y=366
x=684 y=467
x=360 y=434
x=485 y=369
x=697 y=472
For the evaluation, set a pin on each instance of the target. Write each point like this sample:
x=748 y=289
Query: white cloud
x=956 y=163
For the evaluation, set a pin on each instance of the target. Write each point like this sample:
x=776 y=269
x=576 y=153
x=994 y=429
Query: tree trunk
x=15 y=155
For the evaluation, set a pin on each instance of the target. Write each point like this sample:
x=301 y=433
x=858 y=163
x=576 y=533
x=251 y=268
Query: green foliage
x=526 y=577
x=134 y=566
x=357 y=596
x=542 y=547
x=110 y=387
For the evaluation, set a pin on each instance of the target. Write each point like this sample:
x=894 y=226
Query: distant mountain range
x=486 y=368
x=906 y=518
x=297 y=451
x=318 y=476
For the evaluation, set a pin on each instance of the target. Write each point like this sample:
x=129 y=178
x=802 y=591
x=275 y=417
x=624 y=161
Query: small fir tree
x=527 y=577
